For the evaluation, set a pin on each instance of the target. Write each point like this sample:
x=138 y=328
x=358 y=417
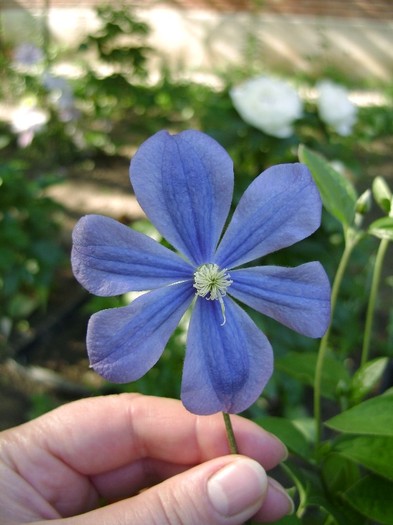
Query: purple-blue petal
x=226 y=367
x=108 y=258
x=280 y=207
x=124 y=343
x=296 y=297
x=184 y=184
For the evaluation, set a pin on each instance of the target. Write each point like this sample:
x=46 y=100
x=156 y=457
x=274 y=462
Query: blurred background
x=83 y=84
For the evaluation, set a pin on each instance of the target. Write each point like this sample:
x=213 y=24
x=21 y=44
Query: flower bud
x=382 y=194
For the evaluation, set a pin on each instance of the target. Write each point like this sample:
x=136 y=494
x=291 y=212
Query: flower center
x=211 y=283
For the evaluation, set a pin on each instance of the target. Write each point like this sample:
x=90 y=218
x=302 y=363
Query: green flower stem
x=373 y=299
x=230 y=434
x=349 y=246
x=231 y=440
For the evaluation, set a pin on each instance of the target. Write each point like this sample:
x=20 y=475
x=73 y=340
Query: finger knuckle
x=175 y=508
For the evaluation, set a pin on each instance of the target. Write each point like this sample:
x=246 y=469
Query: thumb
x=224 y=491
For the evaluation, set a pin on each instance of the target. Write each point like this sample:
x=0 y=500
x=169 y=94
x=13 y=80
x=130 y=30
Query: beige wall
x=205 y=40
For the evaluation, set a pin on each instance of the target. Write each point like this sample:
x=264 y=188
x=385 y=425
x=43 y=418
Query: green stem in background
x=46 y=38
x=230 y=434
x=373 y=299
x=323 y=347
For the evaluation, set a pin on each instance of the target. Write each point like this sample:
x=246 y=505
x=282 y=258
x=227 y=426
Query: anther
x=211 y=283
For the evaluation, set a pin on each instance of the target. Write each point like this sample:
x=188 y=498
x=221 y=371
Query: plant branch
x=373 y=299
x=323 y=347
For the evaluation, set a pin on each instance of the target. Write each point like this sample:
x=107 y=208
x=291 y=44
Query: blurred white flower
x=335 y=108
x=27 y=54
x=26 y=120
x=269 y=104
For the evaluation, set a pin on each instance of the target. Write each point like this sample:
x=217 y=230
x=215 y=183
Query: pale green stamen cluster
x=211 y=283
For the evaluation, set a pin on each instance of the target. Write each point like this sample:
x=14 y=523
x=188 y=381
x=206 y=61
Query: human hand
x=66 y=464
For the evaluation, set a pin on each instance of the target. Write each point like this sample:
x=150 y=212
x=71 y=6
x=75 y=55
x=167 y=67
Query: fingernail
x=282 y=498
x=237 y=487
x=284 y=453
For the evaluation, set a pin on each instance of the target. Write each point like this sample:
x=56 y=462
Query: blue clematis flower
x=184 y=183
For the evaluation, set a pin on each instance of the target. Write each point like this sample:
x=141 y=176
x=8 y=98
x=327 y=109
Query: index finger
x=98 y=435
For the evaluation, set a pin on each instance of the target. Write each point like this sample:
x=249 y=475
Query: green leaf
x=372 y=497
x=382 y=228
x=339 y=473
x=372 y=417
x=312 y=494
x=338 y=194
x=287 y=431
x=302 y=367
x=382 y=194
x=366 y=378
x=22 y=305
x=373 y=452
x=308 y=484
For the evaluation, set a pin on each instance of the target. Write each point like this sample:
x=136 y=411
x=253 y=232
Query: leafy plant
x=342 y=469
x=120 y=41
x=30 y=251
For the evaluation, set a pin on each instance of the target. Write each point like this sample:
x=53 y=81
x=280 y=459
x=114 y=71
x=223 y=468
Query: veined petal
x=280 y=207
x=226 y=366
x=296 y=297
x=184 y=183
x=124 y=343
x=108 y=258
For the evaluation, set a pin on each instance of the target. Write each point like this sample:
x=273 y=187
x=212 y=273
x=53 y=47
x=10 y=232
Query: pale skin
x=87 y=462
